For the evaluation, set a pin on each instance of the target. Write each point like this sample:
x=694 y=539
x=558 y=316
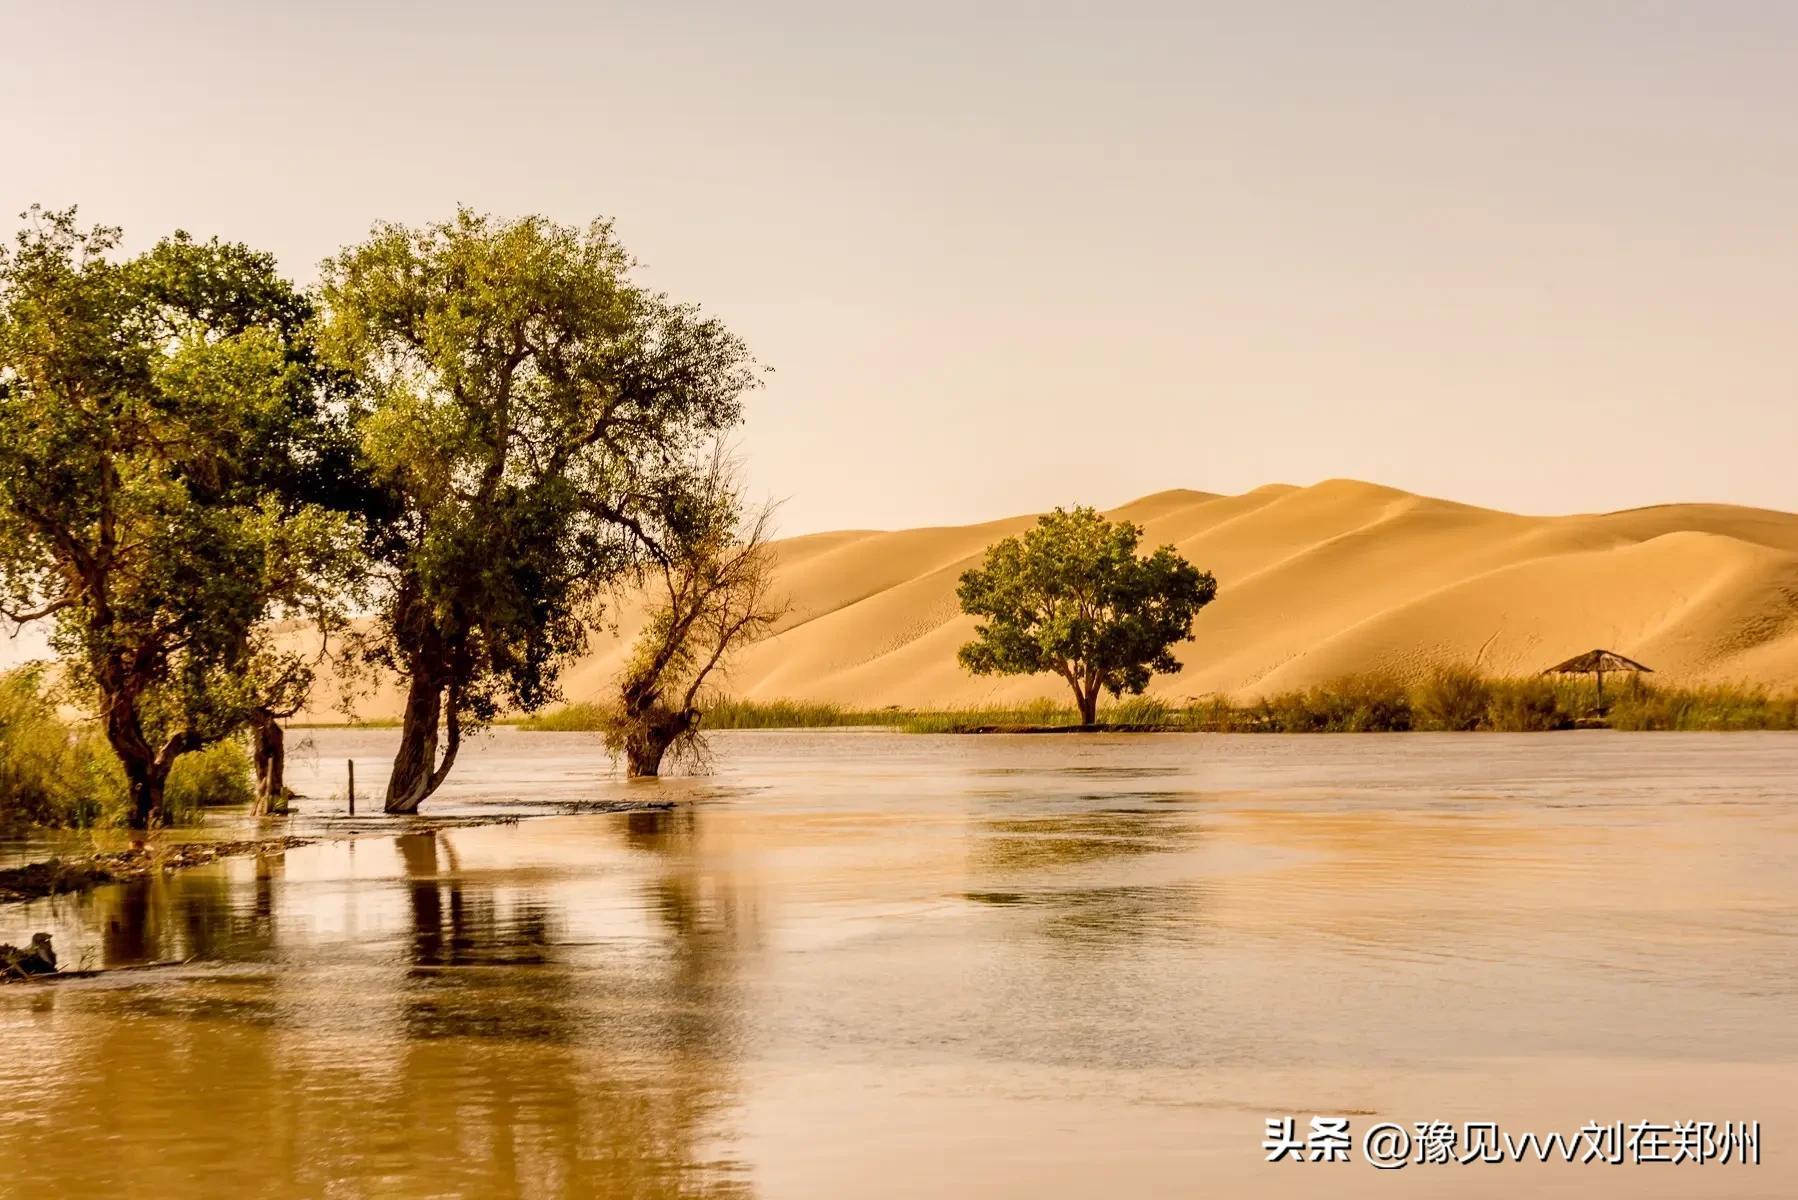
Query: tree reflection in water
x=495 y=1054
x=1064 y=872
x=208 y=913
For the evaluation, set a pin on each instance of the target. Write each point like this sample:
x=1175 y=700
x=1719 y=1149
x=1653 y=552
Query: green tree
x=161 y=424
x=1072 y=598
x=529 y=407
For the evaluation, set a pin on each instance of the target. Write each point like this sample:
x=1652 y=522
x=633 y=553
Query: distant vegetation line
x=1449 y=700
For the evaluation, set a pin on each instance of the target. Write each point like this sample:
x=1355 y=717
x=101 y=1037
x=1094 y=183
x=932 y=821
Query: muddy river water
x=863 y=964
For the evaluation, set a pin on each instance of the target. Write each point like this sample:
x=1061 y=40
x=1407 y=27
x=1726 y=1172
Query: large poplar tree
x=163 y=433
x=529 y=406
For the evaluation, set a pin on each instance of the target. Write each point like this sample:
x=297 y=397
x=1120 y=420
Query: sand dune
x=1313 y=583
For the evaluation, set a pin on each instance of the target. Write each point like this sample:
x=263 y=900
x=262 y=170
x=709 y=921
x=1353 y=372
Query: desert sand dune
x=1313 y=583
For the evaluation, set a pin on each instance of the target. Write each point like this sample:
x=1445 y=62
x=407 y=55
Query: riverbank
x=177 y=849
x=1457 y=701
x=57 y=876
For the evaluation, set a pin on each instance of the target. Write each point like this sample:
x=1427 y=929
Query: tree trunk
x=268 y=746
x=643 y=755
x=415 y=765
x=651 y=735
x=1086 y=691
x=144 y=784
x=145 y=776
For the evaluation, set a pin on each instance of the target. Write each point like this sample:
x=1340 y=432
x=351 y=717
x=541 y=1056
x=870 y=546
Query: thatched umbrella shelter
x=1596 y=663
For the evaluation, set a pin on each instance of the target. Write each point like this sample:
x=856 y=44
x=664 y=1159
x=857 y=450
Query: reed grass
x=1710 y=708
x=1452 y=699
x=52 y=773
x=61 y=773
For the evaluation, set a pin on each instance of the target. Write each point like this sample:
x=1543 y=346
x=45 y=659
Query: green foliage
x=584 y=717
x=1036 y=714
x=51 y=773
x=727 y=713
x=1355 y=704
x=1532 y=705
x=1458 y=699
x=54 y=772
x=789 y=714
x=219 y=775
x=1140 y=710
x=161 y=421
x=1452 y=699
x=1445 y=701
x=530 y=411
x=1072 y=598
x=1708 y=708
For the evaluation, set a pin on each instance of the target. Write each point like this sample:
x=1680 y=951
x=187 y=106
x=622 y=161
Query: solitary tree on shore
x=161 y=444
x=529 y=407
x=1071 y=598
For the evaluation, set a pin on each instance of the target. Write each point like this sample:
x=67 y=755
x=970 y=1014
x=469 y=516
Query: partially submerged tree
x=707 y=588
x=1071 y=597
x=530 y=407
x=160 y=423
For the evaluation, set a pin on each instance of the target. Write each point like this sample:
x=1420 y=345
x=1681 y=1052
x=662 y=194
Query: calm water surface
x=869 y=964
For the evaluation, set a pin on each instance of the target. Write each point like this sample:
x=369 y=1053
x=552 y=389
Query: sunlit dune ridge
x=1313 y=583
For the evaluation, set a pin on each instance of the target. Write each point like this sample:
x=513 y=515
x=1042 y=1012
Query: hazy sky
x=1542 y=256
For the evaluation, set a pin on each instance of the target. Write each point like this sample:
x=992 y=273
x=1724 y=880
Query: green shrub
x=1372 y=704
x=1354 y=704
x=1453 y=699
x=52 y=772
x=789 y=714
x=1711 y=708
x=1215 y=714
x=1531 y=705
x=219 y=775
x=725 y=714
x=57 y=772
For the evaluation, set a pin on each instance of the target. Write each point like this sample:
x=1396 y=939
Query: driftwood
x=96 y=972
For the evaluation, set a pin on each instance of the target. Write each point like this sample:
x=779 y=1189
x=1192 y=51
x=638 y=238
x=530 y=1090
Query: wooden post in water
x=352 y=787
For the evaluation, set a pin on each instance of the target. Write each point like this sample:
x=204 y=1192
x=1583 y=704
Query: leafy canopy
x=162 y=433
x=1070 y=597
x=528 y=406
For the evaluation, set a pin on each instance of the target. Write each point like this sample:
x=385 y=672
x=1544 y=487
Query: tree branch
x=55 y=606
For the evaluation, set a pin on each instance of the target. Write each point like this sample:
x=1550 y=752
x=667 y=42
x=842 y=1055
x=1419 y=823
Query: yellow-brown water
x=861 y=964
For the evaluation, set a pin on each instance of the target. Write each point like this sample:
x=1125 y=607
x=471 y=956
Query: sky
x=1538 y=256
